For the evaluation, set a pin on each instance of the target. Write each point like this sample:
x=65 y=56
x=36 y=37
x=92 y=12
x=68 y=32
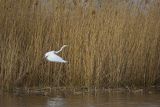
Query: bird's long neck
x=60 y=49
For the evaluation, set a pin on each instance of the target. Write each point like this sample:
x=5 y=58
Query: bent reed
x=115 y=45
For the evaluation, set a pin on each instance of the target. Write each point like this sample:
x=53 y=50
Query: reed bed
x=116 y=45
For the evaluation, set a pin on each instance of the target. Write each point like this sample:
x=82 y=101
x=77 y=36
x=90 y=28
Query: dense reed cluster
x=116 y=44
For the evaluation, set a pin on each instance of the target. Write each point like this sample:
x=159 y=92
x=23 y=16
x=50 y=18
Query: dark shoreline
x=67 y=91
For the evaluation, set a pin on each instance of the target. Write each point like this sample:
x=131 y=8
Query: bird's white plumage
x=53 y=57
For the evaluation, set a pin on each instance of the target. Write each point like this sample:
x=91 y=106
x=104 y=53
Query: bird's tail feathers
x=65 y=61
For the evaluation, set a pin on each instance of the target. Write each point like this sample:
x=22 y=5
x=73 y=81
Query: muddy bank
x=64 y=91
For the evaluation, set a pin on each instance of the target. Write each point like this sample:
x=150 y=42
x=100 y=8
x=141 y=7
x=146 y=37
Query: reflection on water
x=107 y=100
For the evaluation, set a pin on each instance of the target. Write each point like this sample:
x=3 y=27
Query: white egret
x=53 y=57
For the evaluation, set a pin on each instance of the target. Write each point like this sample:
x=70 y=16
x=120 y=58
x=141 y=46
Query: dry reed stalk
x=109 y=47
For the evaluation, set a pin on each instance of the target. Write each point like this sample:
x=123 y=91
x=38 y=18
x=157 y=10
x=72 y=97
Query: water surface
x=106 y=100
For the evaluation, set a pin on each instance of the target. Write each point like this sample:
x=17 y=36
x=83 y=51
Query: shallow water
x=106 y=100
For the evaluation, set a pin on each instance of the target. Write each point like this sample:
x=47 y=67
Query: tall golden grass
x=117 y=45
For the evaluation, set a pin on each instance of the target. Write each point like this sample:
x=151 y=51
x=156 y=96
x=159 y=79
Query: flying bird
x=53 y=57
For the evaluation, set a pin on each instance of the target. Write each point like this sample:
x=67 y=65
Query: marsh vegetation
x=113 y=45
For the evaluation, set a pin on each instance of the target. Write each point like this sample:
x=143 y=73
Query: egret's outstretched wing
x=55 y=58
